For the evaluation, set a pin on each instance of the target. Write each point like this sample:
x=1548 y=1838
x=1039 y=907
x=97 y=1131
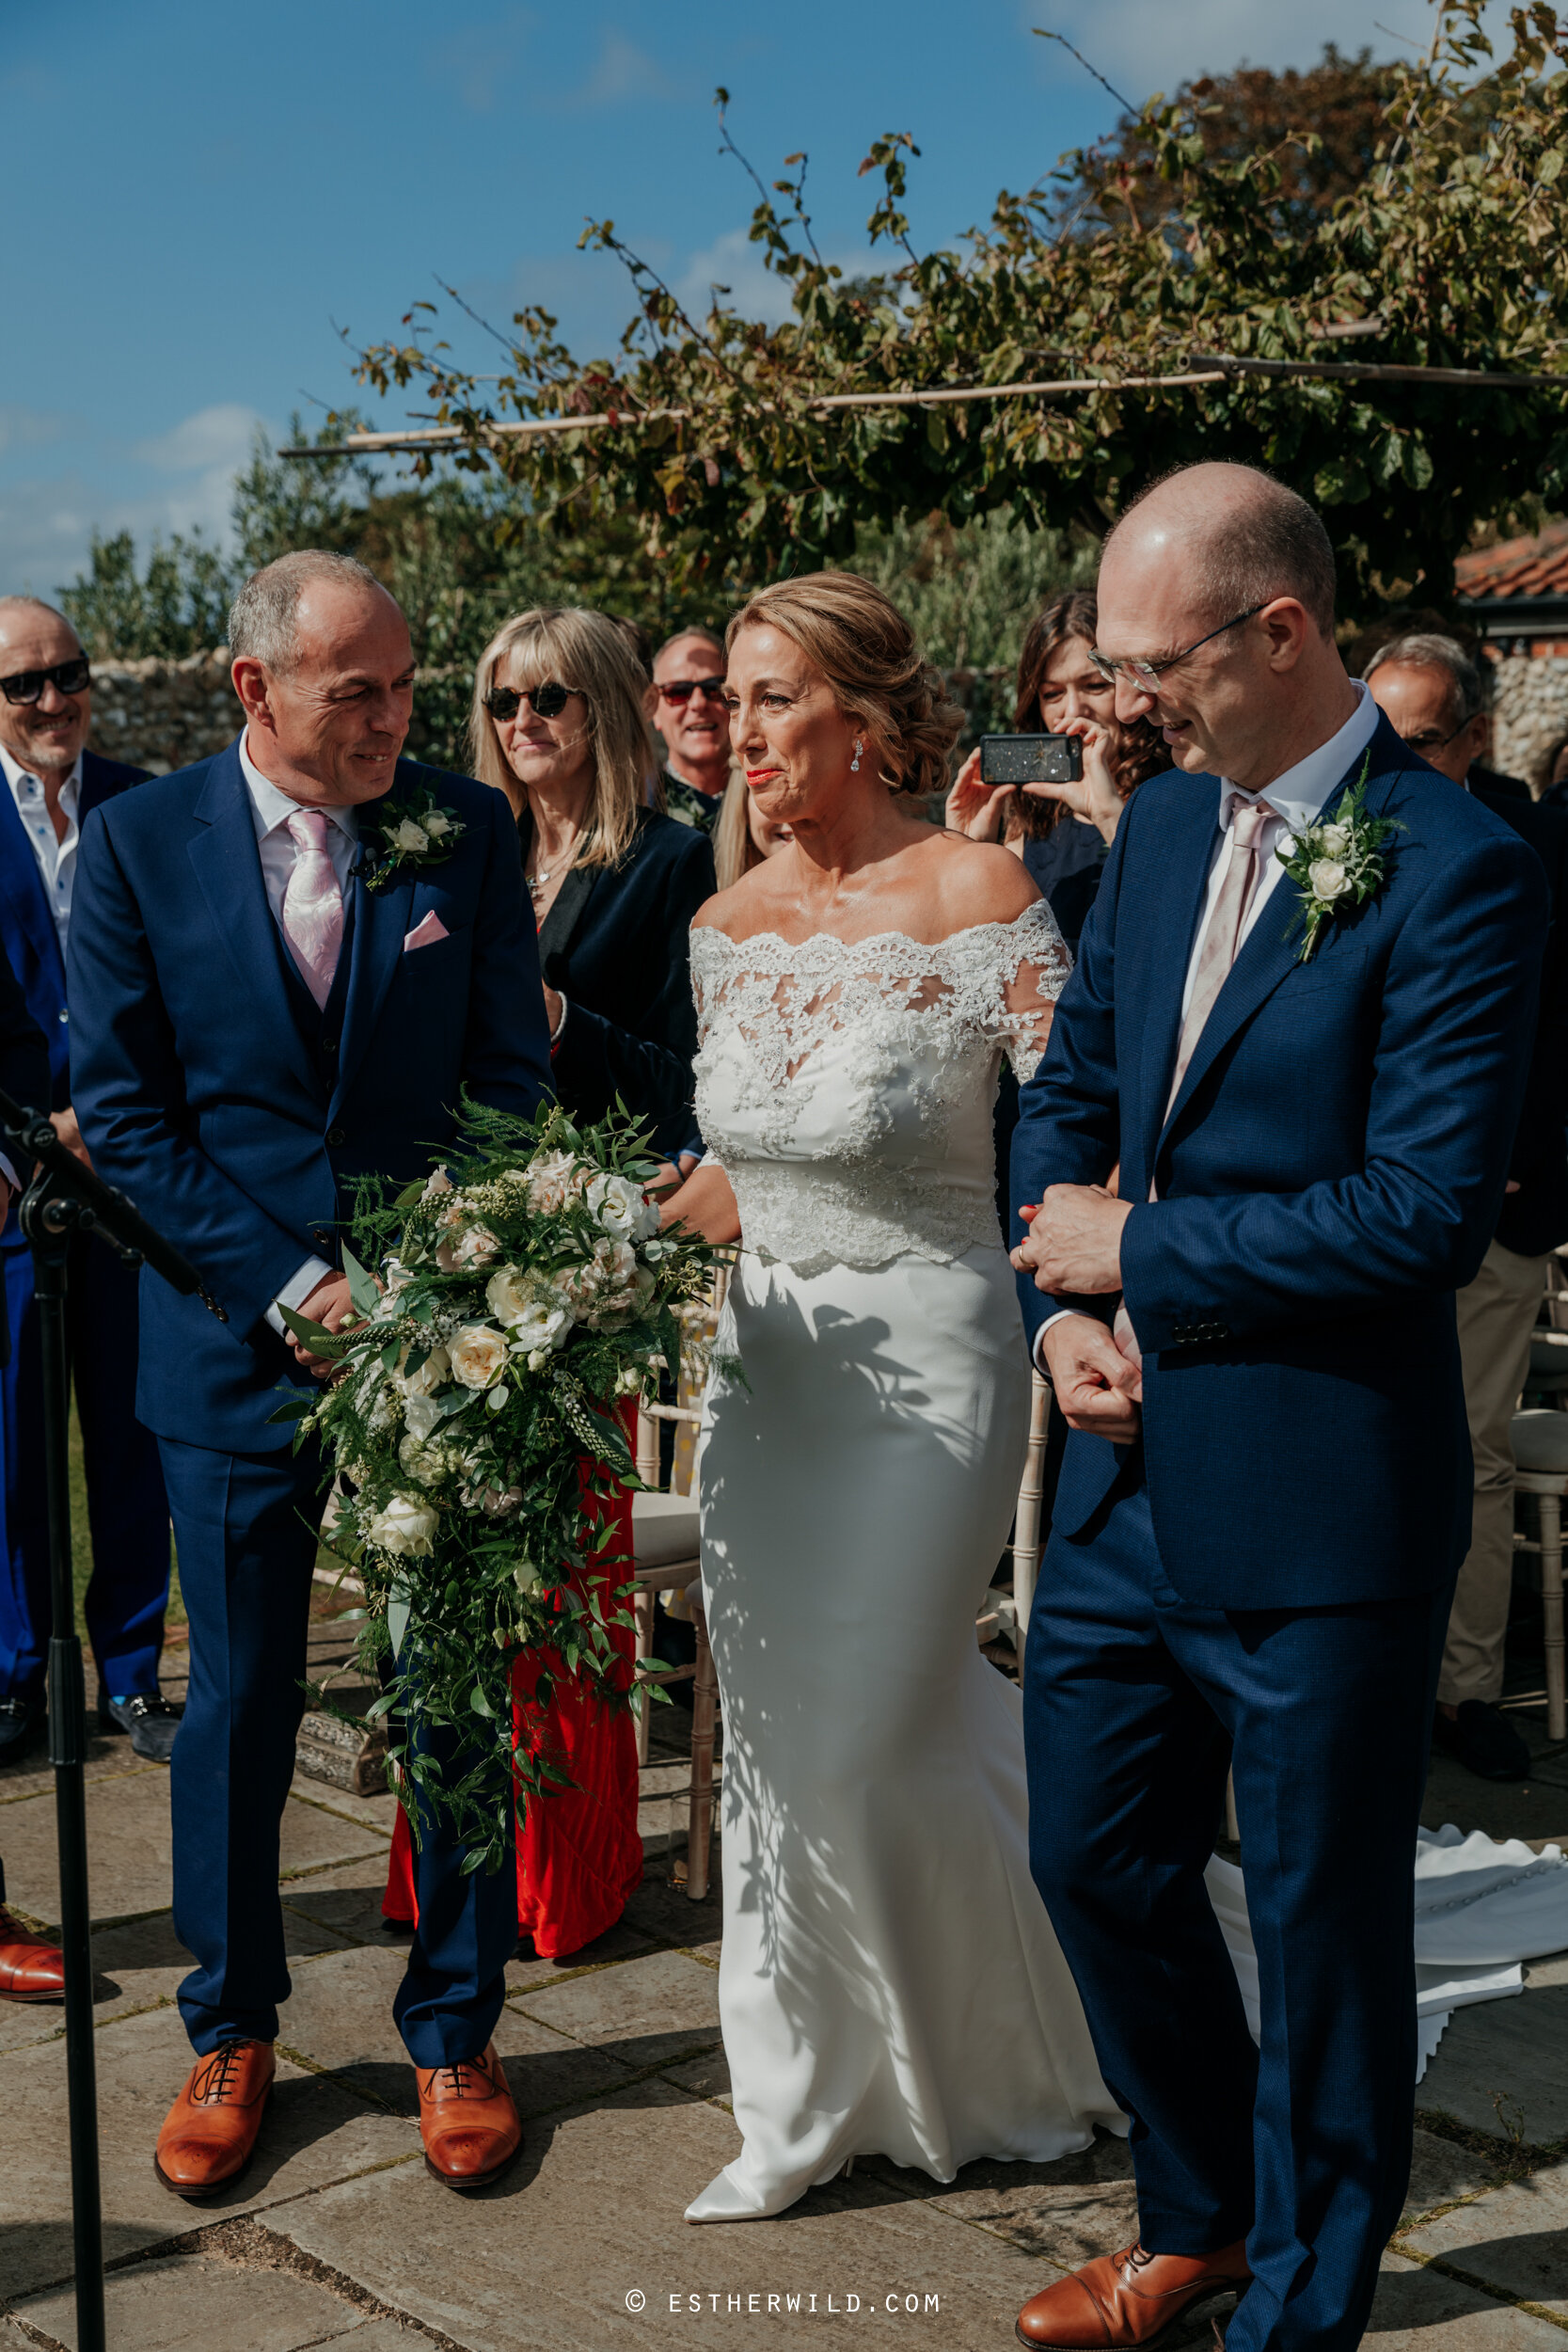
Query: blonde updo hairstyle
x=578 y=649
x=865 y=649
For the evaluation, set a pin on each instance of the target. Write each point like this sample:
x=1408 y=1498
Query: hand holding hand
x=1097 y=1387
x=331 y=1305
x=977 y=809
x=1074 y=1240
x=1095 y=795
x=64 y=1124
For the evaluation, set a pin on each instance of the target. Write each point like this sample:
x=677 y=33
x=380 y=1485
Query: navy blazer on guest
x=615 y=942
x=1331 y=1171
x=204 y=1093
x=27 y=931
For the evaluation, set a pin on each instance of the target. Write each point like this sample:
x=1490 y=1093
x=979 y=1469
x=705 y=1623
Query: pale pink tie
x=313 y=904
x=1223 y=935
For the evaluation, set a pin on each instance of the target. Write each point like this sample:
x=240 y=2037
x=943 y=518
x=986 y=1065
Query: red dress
x=578 y=1852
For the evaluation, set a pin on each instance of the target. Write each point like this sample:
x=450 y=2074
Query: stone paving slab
x=1418 y=2310
x=549 y=2257
x=1065 y=2213
x=646 y=2012
x=315 y=2131
x=1440 y=2172
x=130 y=1848
x=192 y=2302
x=1515 y=2050
x=1514 y=2239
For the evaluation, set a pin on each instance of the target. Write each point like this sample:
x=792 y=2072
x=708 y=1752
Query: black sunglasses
x=549 y=701
x=680 y=689
x=69 y=677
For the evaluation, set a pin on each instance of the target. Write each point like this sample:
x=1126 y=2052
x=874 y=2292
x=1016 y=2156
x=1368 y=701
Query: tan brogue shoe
x=467 y=2120
x=209 y=2134
x=1128 y=2299
x=30 y=1969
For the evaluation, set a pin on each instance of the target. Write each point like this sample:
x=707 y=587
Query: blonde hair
x=865 y=649
x=735 y=851
x=586 y=650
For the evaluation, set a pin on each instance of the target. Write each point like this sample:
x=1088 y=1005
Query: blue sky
x=198 y=198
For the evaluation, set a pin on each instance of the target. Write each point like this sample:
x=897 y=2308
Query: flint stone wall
x=1531 y=712
x=163 y=714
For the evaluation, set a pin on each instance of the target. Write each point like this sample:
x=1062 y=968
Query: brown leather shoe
x=209 y=2134
x=467 y=2120
x=30 y=1969
x=1129 y=2298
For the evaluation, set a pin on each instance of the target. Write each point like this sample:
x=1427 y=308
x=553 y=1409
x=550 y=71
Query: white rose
x=411 y=836
x=1336 y=840
x=1328 y=878
x=551 y=1177
x=619 y=1205
x=405 y=1527
x=421 y=1416
x=433 y=1373
x=478 y=1355
x=438 y=1181
x=429 y=1464
x=436 y=824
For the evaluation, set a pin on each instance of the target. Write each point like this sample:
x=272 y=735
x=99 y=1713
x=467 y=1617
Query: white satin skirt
x=889 y=1983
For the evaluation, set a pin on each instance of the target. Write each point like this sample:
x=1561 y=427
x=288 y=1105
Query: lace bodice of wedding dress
x=846 y=1089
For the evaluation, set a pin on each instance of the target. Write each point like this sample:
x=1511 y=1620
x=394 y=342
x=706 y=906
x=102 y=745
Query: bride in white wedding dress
x=889 y=1980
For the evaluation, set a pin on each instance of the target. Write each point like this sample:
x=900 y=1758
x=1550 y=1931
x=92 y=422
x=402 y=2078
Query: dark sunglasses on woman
x=549 y=701
x=69 y=677
x=680 y=689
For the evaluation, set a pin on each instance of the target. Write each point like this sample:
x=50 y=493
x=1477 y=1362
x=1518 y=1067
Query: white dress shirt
x=271 y=810
x=56 y=860
x=1297 y=796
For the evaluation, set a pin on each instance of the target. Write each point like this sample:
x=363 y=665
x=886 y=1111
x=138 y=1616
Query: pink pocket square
x=425 y=933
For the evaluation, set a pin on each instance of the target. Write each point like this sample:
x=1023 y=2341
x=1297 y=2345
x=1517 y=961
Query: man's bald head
x=45 y=736
x=1241 y=538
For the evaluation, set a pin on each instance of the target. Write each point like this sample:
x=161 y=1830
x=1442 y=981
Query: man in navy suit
x=49 y=786
x=1257 y=1527
x=254 y=1027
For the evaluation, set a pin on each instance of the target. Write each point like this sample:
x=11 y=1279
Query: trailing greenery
x=1449 y=244
x=514 y=1296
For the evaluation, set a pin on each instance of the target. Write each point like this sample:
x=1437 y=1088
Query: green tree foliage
x=1446 y=241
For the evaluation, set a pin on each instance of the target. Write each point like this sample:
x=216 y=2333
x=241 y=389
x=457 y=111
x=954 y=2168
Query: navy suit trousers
x=243 y=1525
x=127 y=1511
x=1135 y=1703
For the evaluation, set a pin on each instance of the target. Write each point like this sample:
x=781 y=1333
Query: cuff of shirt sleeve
x=8 y=1172
x=558 y=1030
x=295 y=1291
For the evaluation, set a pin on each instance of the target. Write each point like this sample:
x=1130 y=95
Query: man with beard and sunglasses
x=52 y=782
x=686 y=704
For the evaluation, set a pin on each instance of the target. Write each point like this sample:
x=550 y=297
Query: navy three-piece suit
x=127 y=1510
x=1263 y=1579
x=236 y=1113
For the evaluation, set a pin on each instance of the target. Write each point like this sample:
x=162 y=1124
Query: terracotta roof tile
x=1517 y=567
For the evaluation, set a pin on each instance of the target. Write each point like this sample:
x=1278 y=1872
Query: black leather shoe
x=22 y=1719
x=150 y=1718
x=1484 y=1740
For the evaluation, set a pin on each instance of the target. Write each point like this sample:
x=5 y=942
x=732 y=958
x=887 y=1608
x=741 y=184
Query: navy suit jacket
x=615 y=942
x=197 y=1087
x=27 y=933
x=1331 y=1171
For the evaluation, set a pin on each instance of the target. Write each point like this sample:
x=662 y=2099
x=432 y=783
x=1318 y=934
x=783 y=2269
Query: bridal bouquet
x=470 y=1418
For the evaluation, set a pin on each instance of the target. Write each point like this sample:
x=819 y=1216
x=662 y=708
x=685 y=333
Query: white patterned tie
x=313 y=904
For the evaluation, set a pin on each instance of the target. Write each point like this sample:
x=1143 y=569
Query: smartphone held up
x=1031 y=759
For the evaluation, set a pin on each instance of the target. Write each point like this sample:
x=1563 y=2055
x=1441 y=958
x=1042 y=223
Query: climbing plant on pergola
x=1449 y=256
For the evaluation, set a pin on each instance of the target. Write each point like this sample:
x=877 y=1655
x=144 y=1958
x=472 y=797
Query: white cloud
x=1145 y=45
x=621 y=71
x=755 y=290
x=220 y=435
x=24 y=428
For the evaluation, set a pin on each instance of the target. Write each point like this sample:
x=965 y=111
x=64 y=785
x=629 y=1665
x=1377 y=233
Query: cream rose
x=436 y=824
x=477 y=1353
x=1336 y=840
x=411 y=836
x=1328 y=878
x=428 y=1463
x=620 y=1209
x=477 y=1246
x=437 y=1183
x=552 y=1178
x=433 y=1373
x=405 y=1527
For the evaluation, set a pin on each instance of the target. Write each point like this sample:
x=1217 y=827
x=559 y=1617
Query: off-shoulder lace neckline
x=872 y=939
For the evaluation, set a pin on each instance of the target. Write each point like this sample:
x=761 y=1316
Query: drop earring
x=855 y=763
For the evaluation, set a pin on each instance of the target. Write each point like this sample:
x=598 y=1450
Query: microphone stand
x=65 y=1197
